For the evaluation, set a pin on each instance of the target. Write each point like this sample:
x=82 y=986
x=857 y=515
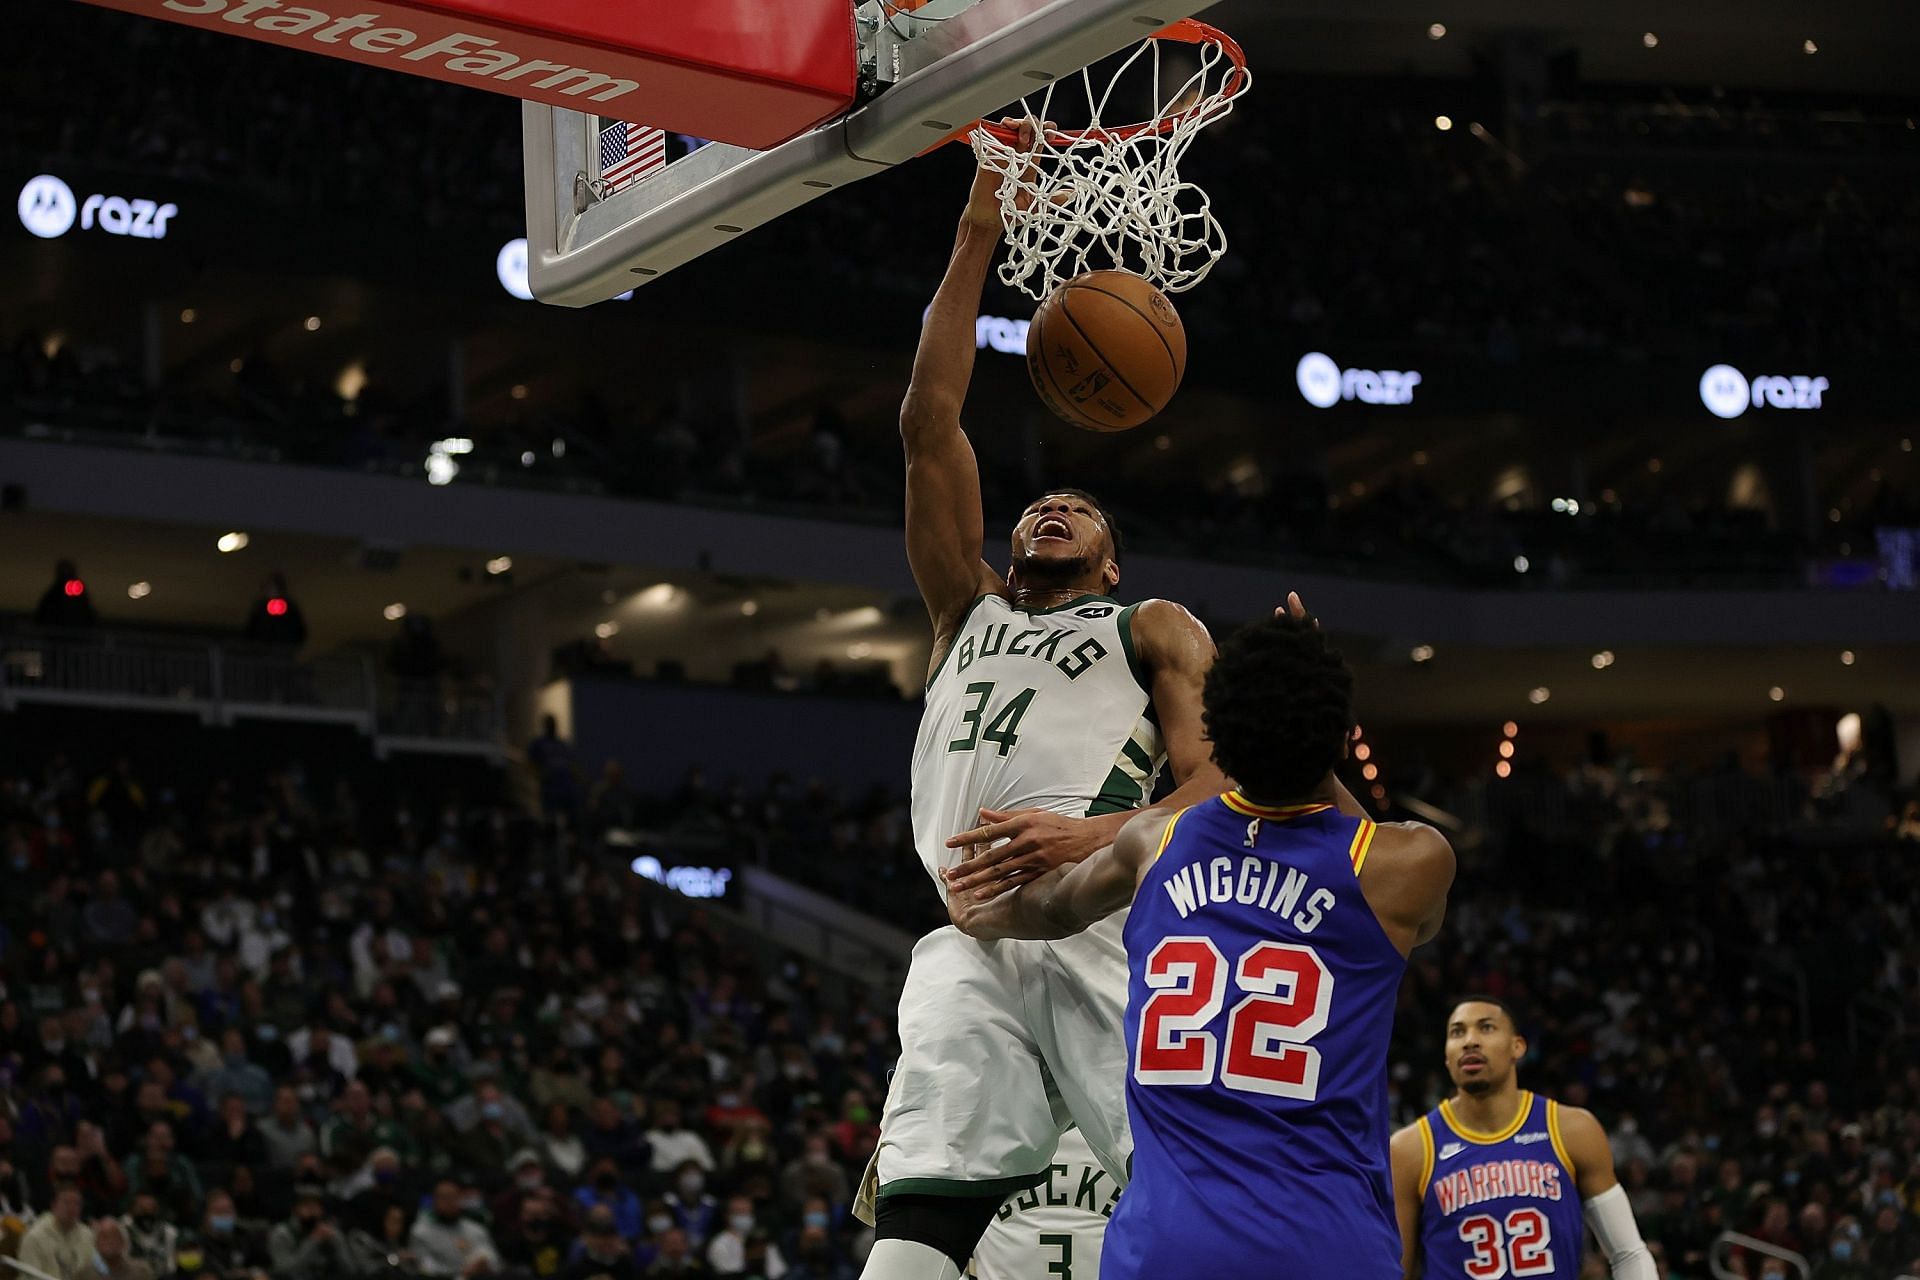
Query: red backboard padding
x=750 y=72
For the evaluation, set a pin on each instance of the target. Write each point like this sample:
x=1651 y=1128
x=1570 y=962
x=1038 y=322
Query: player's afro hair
x=1106 y=513
x=1279 y=706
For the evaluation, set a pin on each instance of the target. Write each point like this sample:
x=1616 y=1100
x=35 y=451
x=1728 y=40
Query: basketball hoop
x=1115 y=191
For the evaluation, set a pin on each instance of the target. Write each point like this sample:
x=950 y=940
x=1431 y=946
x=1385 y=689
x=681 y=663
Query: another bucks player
x=1054 y=1230
x=1051 y=709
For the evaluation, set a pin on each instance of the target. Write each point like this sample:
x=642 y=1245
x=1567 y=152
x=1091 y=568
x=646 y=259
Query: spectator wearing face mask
x=58 y=1243
x=673 y=1143
x=694 y=1211
x=727 y=1251
x=539 y=1245
x=1844 y=1259
x=447 y=1243
x=816 y=1260
x=151 y=1238
x=604 y=1190
x=225 y=1249
x=529 y=1184
x=308 y=1246
x=602 y=1251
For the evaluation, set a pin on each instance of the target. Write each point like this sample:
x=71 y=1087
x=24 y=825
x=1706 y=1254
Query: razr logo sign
x=47 y=209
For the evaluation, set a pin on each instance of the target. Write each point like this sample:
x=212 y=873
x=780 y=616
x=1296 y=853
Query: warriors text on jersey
x=1259 y=1003
x=1033 y=709
x=1498 y=1204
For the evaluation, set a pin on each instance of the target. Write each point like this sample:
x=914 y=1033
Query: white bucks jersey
x=1033 y=709
x=1052 y=1231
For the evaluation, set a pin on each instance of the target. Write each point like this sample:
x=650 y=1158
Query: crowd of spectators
x=273 y=1028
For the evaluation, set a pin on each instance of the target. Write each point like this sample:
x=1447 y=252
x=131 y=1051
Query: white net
x=1102 y=195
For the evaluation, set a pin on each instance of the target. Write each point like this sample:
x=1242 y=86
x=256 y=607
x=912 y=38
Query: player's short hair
x=1481 y=997
x=1106 y=512
x=1278 y=707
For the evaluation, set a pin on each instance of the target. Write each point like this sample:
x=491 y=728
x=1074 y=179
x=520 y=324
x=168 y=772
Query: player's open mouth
x=1053 y=527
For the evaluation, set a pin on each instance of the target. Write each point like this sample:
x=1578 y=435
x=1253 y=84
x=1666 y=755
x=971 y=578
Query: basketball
x=1106 y=351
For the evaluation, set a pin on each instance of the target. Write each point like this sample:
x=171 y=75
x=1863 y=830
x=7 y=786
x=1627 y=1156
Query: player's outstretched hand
x=1292 y=608
x=983 y=203
x=1018 y=845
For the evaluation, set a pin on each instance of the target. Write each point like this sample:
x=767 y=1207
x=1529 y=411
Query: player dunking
x=1492 y=1182
x=1268 y=933
x=1050 y=710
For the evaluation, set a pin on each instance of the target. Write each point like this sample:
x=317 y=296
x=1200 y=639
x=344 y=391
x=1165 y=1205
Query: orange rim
x=1185 y=31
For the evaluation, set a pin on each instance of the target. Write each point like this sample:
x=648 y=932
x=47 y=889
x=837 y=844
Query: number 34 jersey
x=1260 y=1000
x=1499 y=1204
x=1033 y=709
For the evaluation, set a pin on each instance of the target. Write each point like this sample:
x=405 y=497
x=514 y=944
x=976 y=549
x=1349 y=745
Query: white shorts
x=1004 y=1044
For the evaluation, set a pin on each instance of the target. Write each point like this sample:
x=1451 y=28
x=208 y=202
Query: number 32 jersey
x=1499 y=1204
x=1260 y=1000
x=1033 y=709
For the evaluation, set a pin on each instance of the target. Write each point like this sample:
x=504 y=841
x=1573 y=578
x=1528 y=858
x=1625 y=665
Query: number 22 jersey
x=1260 y=1000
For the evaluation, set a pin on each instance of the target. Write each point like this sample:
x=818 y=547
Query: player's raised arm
x=1068 y=898
x=945 y=524
x=1608 y=1211
x=1409 y=1154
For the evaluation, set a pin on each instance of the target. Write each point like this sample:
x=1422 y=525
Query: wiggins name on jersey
x=1033 y=709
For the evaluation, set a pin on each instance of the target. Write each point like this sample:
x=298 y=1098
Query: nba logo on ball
x=46 y=206
x=1318 y=378
x=1724 y=390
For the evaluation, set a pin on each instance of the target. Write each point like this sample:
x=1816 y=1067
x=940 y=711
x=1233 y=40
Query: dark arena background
x=454 y=751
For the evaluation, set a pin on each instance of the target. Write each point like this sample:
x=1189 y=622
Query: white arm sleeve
x=1610 y=1218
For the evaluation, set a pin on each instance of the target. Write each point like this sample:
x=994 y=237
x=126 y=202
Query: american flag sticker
x=629 y=152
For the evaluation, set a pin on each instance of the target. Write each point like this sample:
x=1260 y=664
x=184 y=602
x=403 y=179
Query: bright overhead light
x=499 y=565
x=1422 y=653
x=313 y=324
x=1602 y=660
x=749 y=607
x=607 y=630
x=188 y=315
x=1443 y=123
x=236 y=364
x=139 y=591
x=1808 y=46
x=1539 y=695
x=351 y=381
x=1846 y=657
x=1506 y=749
x=1650 y=40
x=519 y=391
x=1777 y=694
x=234 y=541
x=1362 y=751
x=1511 y=729
x=1503 y=769
x=394 y=612
x=661 y=595
x=526 y=458
x=1370 y=772
x=1437 y=31
x=1521 y=564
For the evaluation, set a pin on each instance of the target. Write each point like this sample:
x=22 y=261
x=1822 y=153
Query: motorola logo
x=1323 y=383
x=1728 y=393
x=47 y=206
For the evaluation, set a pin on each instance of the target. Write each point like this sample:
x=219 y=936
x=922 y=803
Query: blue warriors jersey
x=1498 y=1204
x=1260 y=996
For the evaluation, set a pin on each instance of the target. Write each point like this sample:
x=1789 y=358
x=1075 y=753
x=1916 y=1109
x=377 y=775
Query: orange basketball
x=1106 y=351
